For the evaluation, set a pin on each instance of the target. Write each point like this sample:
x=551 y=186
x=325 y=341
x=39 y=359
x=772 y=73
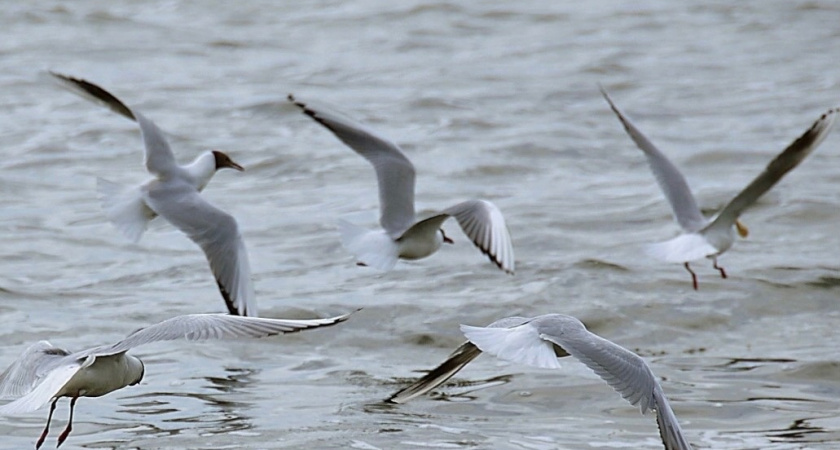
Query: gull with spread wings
x=402 y=236
x=173 y=194
x=709 y=238
x=539 y=342
x=44 y=372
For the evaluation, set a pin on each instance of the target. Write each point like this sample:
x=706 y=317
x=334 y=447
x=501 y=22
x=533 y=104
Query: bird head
x=224 y=161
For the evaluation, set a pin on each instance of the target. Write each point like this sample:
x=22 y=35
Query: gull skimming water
x=402 y=236
x=43 y=372
x=709 y=238
x=539 y=342
x=173 y=194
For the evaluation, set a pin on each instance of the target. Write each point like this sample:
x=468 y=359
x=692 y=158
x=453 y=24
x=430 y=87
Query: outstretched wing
x=778 y=167
x=394 y=172
x=197 y=327
x=217 y=233
x=158 y=157
x=669 y=428
x=462 y=356
x=670 y=180
x=485 y=225
x=622 y=369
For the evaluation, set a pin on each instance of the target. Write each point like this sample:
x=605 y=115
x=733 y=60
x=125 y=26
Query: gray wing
x=158 y=157
x=30 y=367
x=394 y=172
x=217 y=233
x=456 y=361
x=197 y=327
x=778 y=167
x=485 y=225
x=669 y=428
x=670 y=180
x=622 y=369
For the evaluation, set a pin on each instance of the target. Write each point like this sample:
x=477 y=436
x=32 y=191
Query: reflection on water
x=214 y=414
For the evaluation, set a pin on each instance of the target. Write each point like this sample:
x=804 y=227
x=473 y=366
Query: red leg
x=46 y=428
x=63 y=436
x=693 y=276
x=361 y=264
x=716 y=266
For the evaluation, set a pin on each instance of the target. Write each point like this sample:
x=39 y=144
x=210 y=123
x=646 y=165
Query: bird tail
x=683 y=248
x=521 y=344
x=371 y=248
x=125 y=208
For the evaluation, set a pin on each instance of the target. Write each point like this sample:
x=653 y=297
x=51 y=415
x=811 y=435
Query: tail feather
x=683 y=248
x=125 y=208
x=521 y=344
x=371 y=248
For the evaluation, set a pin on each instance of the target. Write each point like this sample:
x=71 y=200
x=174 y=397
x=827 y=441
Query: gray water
x=494 y=100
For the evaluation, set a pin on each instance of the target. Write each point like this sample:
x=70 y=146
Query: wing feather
x=777 y=168
x=485 y=225
x=217 y=233
x=394 y=172
x=669 y=178
x=157 y=157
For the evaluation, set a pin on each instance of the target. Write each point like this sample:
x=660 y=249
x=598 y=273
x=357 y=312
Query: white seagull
x=43 y=372
x=708 y=238
x=402 y=236
x=540 y=341
x=173 y=194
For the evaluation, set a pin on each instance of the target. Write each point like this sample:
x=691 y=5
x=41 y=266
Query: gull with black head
x=173 y=194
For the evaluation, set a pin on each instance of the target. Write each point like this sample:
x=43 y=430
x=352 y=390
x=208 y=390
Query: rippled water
x=496 y=100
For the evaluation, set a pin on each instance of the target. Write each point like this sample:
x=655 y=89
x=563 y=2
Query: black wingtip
x=229 y=301
x=96 y=93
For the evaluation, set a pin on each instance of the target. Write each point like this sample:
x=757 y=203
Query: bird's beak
x=448 y=240
x=743 y=231
x=234 y=166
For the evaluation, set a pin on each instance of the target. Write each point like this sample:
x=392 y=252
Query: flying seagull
x=44 y=372
x=173 y=194
x=402 y=235
x=539 y=342
x=709 y=238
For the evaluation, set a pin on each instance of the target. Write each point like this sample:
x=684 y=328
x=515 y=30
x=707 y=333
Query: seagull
x=402 y=236
x=44 y=372
x=540 y=341
x=173 y=194
x=709 y=238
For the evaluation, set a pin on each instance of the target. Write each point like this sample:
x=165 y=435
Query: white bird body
x=104 y=375
x=173 y=193
x=709 y=238
x=402 y=236
x=43 y=372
